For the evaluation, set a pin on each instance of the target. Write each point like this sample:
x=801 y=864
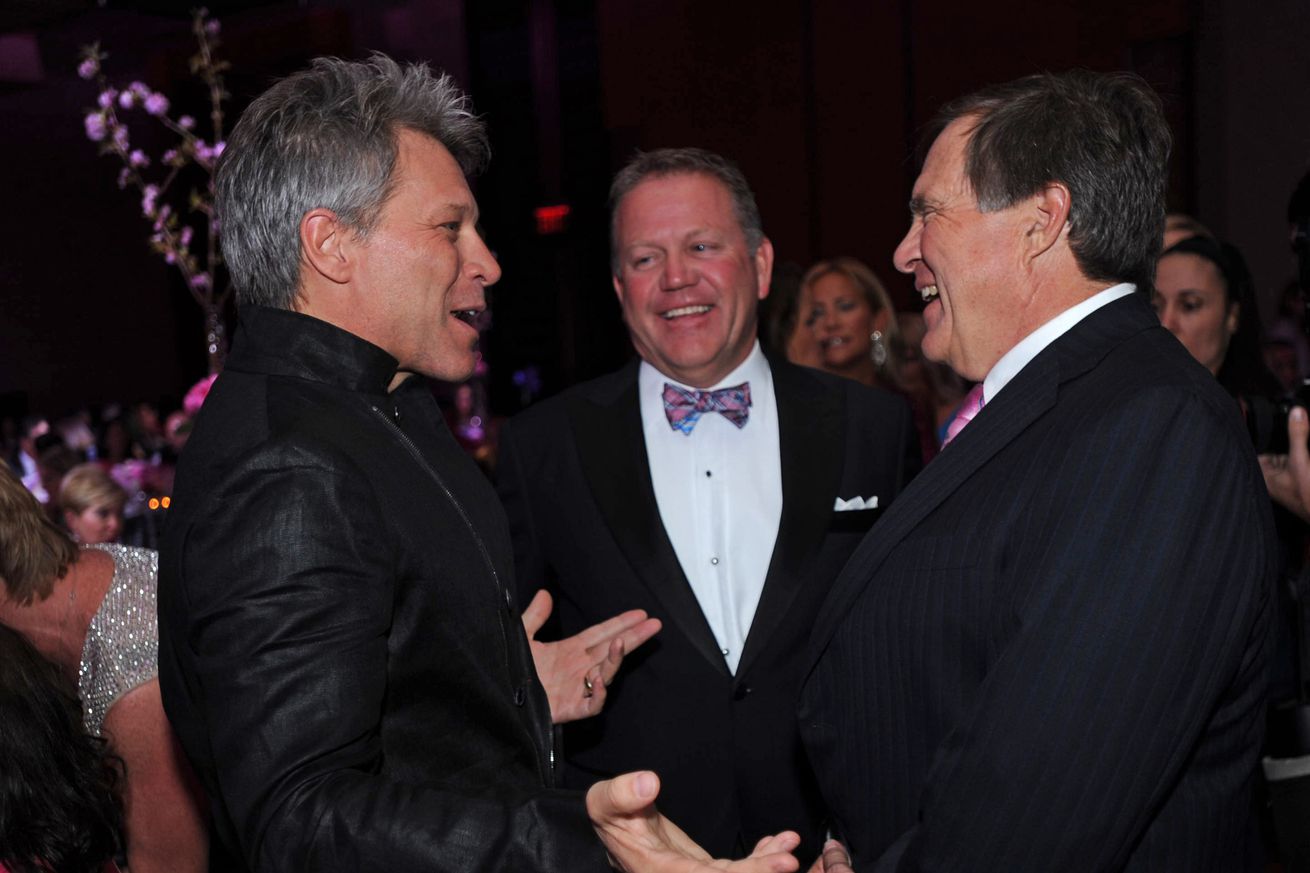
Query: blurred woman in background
x=1204 y=296
x=853 y=321
x=92 y=504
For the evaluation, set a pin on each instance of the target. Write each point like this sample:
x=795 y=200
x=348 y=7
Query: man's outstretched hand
x=577 y=671
x=641 y=840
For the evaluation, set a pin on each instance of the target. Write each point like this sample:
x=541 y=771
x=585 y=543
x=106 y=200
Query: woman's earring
x=879 y=351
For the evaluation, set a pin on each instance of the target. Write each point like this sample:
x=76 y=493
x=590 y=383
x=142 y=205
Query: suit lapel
x=612 y=451
x=1023 y=400
x=810 y=447
x=1028 y=396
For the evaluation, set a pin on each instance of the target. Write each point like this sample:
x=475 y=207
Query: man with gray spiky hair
x=341 y=653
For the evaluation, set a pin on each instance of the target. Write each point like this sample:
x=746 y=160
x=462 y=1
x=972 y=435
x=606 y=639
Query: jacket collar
x=280 y=342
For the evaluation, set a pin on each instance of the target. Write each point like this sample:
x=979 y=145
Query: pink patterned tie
x=973 y=401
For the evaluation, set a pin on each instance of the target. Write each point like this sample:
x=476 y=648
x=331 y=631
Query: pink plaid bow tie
x=684 y=407
x=973 y=402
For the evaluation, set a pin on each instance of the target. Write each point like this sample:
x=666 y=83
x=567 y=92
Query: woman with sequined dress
x=91 y=611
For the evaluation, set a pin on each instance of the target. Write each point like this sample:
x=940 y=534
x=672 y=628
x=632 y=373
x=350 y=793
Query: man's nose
x=679 y=272
x=907 y=253
x=482 y=264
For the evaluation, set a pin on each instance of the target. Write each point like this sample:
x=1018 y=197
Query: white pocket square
x=855 y=503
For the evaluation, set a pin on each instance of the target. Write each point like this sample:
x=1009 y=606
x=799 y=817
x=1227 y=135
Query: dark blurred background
x=821 y=103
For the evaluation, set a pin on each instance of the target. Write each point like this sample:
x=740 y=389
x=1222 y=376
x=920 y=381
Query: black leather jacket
x=340 y=649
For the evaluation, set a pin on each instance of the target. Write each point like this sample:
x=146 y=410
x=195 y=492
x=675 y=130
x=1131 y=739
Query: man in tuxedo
x=1050 y=654
x=341 y=653
x=718 y=490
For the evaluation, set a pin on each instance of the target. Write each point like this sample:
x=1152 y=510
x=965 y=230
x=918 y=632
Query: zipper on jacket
x=547 y=777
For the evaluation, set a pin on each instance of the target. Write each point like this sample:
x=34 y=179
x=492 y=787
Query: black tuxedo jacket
x=1051 y=653
x=577 y=488
x=340 y=651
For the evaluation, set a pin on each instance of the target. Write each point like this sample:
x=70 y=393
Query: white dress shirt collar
x=754 y=369
x=1032 y=345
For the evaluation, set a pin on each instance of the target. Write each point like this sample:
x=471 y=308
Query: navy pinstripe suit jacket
x=1050 y=653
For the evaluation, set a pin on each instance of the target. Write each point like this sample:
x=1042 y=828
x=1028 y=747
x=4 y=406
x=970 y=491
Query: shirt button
x=725 y=652
x=509 y=601
x=714 y=561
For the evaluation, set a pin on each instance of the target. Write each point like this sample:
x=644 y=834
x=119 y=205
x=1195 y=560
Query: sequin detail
x=122 y=643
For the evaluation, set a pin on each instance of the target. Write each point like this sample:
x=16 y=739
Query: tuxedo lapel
x=810 y=446
x=612 y=452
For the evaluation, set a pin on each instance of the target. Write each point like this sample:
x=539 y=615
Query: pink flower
x=138 y=159
x=185 y=236
x=127 y=100
x=212 y=27
x=130 y=474
x=164 y=212
x=106 y=98
x=95 y=126
x=170 y=156
x=170 y=257
x=123 y=176
x=200 y=280
x=119 y=135
x=140 y=90
x=148 y=197
x=218 y=148
x=195 y=398
x=186 y=122
x=88 y=68
x=156 y=104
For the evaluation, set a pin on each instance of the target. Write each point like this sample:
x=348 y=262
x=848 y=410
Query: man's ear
x=325 y=245
x=764 y=266
x=1049 y=217
x=618 y=288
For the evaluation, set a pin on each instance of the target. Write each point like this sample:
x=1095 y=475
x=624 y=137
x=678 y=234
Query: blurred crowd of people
x=102 y=477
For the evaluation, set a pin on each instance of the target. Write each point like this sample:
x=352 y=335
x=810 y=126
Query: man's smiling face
x=967 y=264
x=686 y=279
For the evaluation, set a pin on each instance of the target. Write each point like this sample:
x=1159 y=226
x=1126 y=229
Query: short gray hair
x=1102 y=135
x=686 y=161
x=327 y=137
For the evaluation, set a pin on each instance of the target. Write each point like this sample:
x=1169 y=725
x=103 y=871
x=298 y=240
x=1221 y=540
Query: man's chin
x=453 y=371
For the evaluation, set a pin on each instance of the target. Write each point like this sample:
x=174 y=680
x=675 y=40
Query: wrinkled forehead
x=944 y=167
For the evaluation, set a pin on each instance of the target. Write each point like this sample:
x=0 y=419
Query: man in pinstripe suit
x=1050 y=654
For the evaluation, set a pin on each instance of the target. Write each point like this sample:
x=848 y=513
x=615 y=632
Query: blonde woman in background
x=92 y=504
x=853 y=320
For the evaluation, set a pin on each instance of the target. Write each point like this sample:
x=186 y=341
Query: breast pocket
x=853 y=520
